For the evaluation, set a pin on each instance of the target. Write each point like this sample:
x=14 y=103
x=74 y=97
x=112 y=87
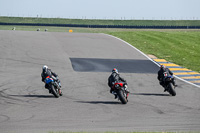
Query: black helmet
x=162 y=67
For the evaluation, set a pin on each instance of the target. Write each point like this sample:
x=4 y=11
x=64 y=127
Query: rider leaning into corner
x=47 y=72
x=115 y=77
x=161 y=76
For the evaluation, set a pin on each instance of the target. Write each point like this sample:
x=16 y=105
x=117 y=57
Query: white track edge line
x=149 y=58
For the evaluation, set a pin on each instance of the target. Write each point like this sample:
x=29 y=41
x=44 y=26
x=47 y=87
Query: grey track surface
x=87 y=105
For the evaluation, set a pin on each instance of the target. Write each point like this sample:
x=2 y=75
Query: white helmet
x=44 y=68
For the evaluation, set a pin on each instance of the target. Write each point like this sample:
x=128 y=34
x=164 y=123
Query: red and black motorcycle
x=121 y=91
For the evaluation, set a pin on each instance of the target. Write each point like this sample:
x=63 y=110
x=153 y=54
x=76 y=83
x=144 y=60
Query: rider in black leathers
x=161 y=75
x=115 y=77
x=47 y=72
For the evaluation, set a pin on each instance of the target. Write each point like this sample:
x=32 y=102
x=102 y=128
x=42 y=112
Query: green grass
x=179 y=47
x=63 y=29
x=101 y=22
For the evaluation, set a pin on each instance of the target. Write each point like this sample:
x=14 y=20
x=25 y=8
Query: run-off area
x=106 y=65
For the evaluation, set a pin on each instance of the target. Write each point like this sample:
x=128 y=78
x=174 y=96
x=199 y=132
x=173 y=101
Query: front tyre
x=171 y=90
x=121 y=96
x=54 y=91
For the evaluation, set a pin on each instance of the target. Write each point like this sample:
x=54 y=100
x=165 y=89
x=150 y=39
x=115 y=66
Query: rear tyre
x=54 y=92
x=171 y=90
x=122 y=98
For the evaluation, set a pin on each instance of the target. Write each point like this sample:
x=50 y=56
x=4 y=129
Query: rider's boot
x=175 y=85
x=173 y=82
x=49 y=90
x=114 y=93
x=165 y=89
x=115 y=96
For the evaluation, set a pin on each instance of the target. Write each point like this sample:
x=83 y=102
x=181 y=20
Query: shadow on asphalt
x=151 y=94
x=36 y=96
x=99 y=102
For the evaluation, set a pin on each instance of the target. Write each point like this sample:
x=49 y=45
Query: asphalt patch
x=106 y=65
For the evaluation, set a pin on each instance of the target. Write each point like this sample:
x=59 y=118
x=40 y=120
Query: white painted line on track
x=150 y=58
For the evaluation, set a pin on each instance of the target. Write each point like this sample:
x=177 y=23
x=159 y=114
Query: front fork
x=125 y=91
x=58 y=86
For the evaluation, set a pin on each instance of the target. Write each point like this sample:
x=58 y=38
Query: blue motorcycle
x=53 y=86
x=168 y=84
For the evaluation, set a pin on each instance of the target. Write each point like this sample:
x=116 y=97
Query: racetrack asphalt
x=84 y=62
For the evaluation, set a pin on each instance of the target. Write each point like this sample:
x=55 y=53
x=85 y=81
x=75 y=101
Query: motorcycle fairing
x=48 y=80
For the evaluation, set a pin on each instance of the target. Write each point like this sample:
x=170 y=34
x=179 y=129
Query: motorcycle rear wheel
x=121 y=96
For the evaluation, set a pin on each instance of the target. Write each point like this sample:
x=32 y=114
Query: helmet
x=162 y=67
x=44 y=68
x=114 y=70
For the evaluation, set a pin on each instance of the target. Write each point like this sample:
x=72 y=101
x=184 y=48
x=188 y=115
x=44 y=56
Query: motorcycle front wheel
x=54 y=91
x=171 y=89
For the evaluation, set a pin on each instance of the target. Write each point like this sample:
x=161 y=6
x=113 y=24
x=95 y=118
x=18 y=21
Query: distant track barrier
x=104 y=26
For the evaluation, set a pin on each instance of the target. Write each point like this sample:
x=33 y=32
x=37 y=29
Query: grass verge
x=100 y=22
x=179 y=47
